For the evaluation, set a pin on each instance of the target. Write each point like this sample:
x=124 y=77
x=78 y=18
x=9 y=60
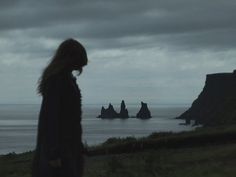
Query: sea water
x=18 y=124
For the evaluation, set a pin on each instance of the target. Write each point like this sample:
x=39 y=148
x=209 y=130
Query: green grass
x=15 y=165
x=157 y=157
x=197 y=138
x=210 y=161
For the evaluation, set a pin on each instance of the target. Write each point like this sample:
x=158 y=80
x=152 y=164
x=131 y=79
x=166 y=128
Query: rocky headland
x=216 y=104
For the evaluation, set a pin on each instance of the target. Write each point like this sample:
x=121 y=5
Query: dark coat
x=59 y=129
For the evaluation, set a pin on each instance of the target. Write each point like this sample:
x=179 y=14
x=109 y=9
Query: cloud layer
x=156 y=51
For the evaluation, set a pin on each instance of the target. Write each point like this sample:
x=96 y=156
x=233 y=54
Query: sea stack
x=144 y=112
x=110 y=112
x=123 y=111
x=216 y=104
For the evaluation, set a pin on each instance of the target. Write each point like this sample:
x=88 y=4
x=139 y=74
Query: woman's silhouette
x=59 y=148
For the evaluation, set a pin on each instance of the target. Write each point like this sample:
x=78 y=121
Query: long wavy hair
x=70 y=55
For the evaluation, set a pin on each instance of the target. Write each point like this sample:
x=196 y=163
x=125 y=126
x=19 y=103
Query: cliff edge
x=216 y=104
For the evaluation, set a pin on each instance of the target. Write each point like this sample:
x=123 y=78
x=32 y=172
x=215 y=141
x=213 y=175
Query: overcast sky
x=158 y=51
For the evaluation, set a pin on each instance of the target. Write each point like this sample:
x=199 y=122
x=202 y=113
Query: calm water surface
x=18 y=125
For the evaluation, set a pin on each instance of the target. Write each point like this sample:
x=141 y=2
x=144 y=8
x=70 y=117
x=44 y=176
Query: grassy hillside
x=195 y=157
x=196 y=138
x=210 y=161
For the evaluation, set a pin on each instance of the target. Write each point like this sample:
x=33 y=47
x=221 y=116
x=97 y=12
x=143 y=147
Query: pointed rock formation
x=123 y=111
x=216 y=104
x=111 y=113
x=108 y=113
x=103 y=111
x=144 y=112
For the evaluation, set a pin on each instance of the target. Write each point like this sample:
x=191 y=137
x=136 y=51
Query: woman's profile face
x=74 y=54
x=78 y=61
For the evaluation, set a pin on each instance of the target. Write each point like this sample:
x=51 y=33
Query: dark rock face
x=144 y=112
x=123 y=111
x=111 y=113
x=216 y=104
x=108 y=113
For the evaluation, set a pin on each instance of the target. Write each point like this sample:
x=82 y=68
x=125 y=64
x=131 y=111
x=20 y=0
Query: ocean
x=18 y=124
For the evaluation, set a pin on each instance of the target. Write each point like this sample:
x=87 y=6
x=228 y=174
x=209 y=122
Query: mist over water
x=18 y=124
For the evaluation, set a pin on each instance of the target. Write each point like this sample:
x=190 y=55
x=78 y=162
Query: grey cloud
x=102 y=24
x=164 y=47
x=149 y=17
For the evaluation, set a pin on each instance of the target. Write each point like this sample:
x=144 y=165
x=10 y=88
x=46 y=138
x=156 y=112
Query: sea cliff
x=216 y=104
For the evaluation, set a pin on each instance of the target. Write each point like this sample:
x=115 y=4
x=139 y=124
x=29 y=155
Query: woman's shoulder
x=55 y=81
x=60 y=80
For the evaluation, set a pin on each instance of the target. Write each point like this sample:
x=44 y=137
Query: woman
x=59 y=149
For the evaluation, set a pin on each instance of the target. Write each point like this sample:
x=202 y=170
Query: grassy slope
x=210 y=161
x=197 y=138
x=204 y=160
